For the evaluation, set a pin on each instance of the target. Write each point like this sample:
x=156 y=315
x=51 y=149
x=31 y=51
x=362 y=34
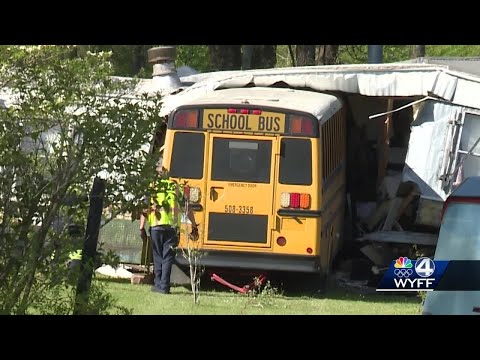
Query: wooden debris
x=428 y=212
x=397 y=208
x=379 y=214
x=141 y=278
x=388 y=188
x=379 y=255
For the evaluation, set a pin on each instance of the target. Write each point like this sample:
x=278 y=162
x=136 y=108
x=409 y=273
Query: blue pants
x=164 y=239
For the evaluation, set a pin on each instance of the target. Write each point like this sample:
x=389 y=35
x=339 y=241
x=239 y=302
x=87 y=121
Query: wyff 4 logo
x=408 y=275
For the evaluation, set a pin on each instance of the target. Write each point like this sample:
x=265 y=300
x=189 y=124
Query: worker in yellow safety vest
x=164 y=219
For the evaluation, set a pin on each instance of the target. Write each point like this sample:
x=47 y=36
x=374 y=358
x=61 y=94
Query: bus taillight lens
x=295 y=200
x=186 y=192
x=186 y=119
x=309 y=250
x=281 y=241
x=304 y=201
x=301 y=125
x=194 y=194
x=285 y=200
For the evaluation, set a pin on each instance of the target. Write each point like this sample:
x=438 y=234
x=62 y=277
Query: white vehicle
x=459 y=239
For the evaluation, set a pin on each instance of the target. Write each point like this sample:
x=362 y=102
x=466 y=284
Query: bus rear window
x=187 y=155
x=241 y=160
x=296 y=162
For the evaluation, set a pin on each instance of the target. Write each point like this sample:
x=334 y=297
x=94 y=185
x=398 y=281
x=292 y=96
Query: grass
x=142 y=301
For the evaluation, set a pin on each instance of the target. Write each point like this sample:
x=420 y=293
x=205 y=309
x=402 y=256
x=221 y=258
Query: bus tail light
x=295 y=200
x=244 y=111
x=304 y=201
x=281 y=241
x=301 y=125
x=285 y=200
x=192 y=193
x=186 y=119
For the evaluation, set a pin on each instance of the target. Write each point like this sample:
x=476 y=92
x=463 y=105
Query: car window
x=459 y=237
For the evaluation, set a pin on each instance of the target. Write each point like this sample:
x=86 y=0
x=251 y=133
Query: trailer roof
x=321 y=105
x=381 y=80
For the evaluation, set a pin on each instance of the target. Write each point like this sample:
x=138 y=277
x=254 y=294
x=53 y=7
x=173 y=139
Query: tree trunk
x=225 y=57
x=418 y=51
x=247 y=53
x=305 y=55
x=138 y=63
x=327 y=54
x=264 y=56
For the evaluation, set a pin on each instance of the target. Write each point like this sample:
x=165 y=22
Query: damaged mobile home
x=413 y=130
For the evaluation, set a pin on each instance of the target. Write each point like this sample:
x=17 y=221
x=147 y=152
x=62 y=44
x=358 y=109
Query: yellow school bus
x=265 y=175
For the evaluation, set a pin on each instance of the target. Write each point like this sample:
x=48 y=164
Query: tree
x=225 y=57
x=418 y=51
x=326 y=54
x=305 y=55
x=65 y=121
x=195 y=56
x=127 y=60
x=264 y=56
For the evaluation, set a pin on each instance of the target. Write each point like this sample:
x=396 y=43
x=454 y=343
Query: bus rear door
x=240 y=191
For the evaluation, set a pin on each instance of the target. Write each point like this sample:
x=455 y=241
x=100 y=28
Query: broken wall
x=427 y=147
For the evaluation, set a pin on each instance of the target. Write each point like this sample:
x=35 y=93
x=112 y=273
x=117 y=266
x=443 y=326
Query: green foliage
x=59 y=300
x=262 y=295
x=142 y=301
x=126 y=60
x=66 y=121
x=358 y=54
x=195 y=56
x=101 y=302
x=453 y=50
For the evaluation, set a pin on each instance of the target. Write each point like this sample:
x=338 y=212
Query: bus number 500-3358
x=239 y=209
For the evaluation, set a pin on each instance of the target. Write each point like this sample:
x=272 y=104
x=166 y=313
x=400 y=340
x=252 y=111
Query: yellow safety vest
x=75 y=255
x=164 y=208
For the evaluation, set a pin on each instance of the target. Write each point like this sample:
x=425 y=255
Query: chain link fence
x=121 y=235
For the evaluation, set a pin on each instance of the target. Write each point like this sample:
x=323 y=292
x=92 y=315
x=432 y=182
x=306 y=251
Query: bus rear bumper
x=256 y=261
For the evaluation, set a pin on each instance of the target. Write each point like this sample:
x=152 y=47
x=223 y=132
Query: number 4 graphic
x=424 y=267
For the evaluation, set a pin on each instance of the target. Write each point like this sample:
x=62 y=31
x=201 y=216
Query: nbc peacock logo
x=403 y=267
